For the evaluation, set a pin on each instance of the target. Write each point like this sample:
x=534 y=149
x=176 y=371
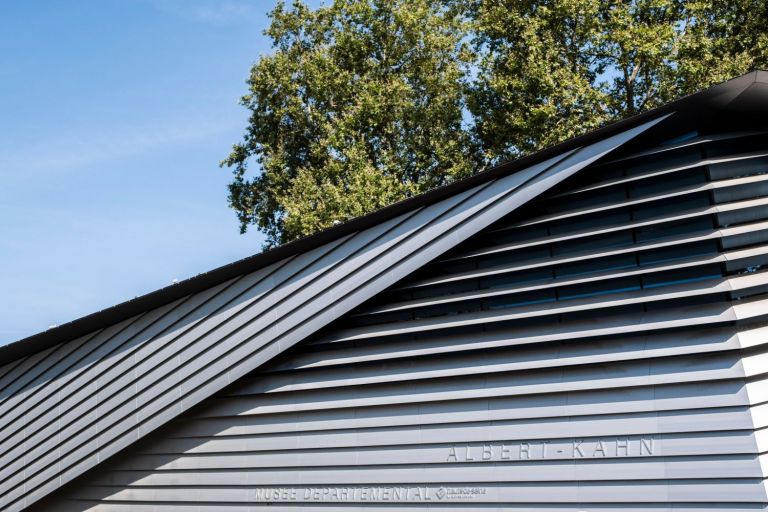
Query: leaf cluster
x=363 y=103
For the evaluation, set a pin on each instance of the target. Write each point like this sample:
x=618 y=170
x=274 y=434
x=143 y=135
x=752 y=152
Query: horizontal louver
x=602 y=348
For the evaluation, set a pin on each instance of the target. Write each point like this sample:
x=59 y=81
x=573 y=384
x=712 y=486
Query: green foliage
x=536 y=74
x=551 y=69
x=360 y=105
x=366 y=102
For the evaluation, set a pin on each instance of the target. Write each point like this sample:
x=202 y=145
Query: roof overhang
x=746 y=95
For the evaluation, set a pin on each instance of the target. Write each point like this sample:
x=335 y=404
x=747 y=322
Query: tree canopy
x=366 y=102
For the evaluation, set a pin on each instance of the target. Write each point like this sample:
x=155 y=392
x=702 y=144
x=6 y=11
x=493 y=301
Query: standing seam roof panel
x=120 y=384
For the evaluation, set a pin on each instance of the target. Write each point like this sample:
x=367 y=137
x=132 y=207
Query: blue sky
x=114 y=115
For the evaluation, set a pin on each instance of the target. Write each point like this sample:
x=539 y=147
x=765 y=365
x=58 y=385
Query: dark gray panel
x=635 y=383
x=123 y=382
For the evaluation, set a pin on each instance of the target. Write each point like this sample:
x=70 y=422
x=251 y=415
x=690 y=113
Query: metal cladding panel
x=602 y=348
x=67 y=409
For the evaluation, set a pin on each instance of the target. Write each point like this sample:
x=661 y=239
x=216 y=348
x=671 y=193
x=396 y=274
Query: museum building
x=582 y=329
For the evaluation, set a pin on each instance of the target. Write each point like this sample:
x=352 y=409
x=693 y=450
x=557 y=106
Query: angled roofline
x=718 y=97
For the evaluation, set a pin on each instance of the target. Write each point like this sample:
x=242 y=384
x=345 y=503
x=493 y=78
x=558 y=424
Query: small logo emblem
x=440 y=493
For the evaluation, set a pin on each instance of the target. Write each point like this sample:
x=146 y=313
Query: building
x=582 y=329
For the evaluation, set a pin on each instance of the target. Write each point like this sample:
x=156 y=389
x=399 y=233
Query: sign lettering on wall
x=560 y=449
x=367 y=493
x=497 y=451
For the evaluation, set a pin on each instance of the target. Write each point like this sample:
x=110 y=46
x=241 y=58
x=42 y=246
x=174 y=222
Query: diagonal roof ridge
x=718 y=96
x=153 y=369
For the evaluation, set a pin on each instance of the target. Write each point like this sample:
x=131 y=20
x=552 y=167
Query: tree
x=366 y=102
x=720 y=39
x=536 y=74
x=360 y=105
x=552 y=69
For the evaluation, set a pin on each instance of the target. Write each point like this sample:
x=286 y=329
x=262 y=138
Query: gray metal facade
x=595 y=351
x=586 y=334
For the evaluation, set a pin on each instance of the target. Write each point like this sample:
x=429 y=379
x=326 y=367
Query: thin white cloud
x=214 y=11
x=109 y=144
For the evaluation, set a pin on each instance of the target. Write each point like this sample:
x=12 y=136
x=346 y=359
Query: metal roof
x=747 y=94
